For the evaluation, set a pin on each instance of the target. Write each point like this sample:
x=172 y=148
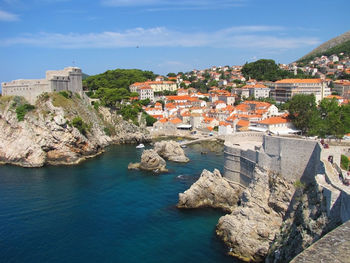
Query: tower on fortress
x=68 y=79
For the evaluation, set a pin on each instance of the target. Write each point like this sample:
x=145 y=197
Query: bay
x=98 y=211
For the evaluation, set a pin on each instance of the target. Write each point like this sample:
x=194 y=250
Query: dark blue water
x=101 y=212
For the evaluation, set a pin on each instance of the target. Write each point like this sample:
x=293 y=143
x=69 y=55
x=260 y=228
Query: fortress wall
x=245 y=136
x=344 y=206
x=56 y=80
x=294 y=159
x=29 y=89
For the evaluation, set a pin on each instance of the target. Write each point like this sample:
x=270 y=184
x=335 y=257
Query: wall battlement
x=294 y=159
x=68 y=79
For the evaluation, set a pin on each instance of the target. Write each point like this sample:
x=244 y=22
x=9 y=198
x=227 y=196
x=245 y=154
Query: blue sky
x=160 y=35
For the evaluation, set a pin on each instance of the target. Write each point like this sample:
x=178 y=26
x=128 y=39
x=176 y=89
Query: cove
x=98 y=211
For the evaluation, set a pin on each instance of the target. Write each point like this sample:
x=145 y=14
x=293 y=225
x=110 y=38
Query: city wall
x=294 y=159
x=68 y=79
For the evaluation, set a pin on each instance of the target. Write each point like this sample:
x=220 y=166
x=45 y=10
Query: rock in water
x=210 y=190
x=150 y=161
x=171 y=151
x=251 y=228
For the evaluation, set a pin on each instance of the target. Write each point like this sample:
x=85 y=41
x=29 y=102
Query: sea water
x=99 y=211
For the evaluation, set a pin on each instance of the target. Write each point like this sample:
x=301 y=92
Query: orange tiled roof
x=299 y=81
x=164 y=120
x=254 y=86
x=334 y=96
x=243 y=123
x=176 y=121
x=274 y=120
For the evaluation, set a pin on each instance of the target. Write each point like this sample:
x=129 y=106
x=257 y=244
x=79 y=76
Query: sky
x=160 y=35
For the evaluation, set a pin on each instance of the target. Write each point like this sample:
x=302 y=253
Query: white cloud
x=6 y=16
x=253 y=37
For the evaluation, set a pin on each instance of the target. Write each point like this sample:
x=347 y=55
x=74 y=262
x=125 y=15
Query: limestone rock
x=210 y=190
x=250 y=229
x=150 y=161
x=171 y=151
x=46 y=137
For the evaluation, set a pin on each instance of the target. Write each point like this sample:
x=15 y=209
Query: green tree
x=118 y=78
x=303 y=113
x=22 y=110
x=171 y=75
x=150 y=120
x=78 y=123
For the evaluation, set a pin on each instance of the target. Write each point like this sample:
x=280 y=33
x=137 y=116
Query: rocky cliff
x=272 y=220
x=58 y=130
x=252 y=226
x=305 y=222
x=210 y=190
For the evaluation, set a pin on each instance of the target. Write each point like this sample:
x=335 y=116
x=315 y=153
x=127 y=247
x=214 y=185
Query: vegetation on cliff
x=117 y=79
x=112 y=88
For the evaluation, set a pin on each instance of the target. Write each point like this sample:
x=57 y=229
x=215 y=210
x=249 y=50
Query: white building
x=145 y=93
x=285 y=89
x=157 y=86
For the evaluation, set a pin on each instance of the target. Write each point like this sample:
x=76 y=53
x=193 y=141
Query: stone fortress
x=68 y=79
x=296 y=159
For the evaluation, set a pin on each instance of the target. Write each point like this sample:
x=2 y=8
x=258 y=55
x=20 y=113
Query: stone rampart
x=294 y=159
x=68 y=79
x=333 y=247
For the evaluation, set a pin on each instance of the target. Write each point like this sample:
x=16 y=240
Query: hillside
x=59 y=130
x=334 y=46
x=117 y=79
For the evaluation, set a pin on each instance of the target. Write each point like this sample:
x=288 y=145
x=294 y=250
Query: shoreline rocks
x=150 y=161
x=171 y=151
x=252 y=227
x=46 y=135
x=210 y=190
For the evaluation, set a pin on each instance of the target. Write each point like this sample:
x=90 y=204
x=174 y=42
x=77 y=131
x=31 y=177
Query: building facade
x=68 y=79
x=146 y=93
x=157 y=86
x=342 y=87
x=283 y=90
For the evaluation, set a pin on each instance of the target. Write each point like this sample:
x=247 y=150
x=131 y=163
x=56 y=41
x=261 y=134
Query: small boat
x=140 y=146
x=183 y=146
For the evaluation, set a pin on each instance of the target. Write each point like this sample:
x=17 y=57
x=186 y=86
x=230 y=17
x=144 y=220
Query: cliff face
x=251 y=228
x=306 y=222
x=47 y=135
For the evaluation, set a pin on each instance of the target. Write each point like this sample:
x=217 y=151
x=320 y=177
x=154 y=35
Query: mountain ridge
x=330 y=44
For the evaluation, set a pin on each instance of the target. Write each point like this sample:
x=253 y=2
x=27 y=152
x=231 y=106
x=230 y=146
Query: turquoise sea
x=99 y=211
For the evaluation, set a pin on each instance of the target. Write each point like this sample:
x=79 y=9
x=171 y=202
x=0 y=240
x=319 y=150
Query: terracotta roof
x=243 y=123
x=224 y=123
x=176 y=121
x=274 y=120
x=334 y=96
x=254 y=86
x=164 y=120
x=299 y=81
x=157 y=116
